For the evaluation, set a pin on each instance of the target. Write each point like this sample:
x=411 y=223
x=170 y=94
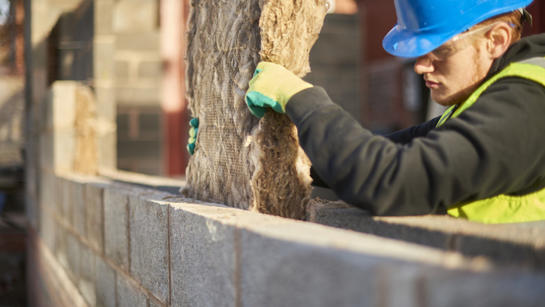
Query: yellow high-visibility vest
x=502 y=208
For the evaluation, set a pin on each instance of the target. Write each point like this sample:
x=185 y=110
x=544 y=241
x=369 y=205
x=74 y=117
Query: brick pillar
x=174 y=105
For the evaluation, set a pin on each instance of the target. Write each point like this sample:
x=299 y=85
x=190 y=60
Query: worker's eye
x=444 y=51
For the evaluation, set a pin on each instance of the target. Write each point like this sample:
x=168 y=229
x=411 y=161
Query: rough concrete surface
x=61 y=247
x=87 y=275
x=500 y=289
x=48 y=229
x=515 y=245
x=48 y=188
x=73 y=253
x=105 y=284
x=78 y=204
x=149 y=245
x=239 y=160
x=211 y=280
x=94 y=213
x=54 y=287
x=116 y=227
x=290 y=268
x=128 y=294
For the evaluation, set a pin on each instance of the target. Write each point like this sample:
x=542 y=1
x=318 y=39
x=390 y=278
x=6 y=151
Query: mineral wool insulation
x=240 y=160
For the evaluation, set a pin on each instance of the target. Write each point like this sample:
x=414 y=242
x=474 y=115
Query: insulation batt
x=86 y=127
x=239 y=160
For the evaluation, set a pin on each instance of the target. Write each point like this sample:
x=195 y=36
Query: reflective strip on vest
x=502 y=208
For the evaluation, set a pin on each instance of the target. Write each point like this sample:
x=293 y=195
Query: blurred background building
x=143 y=56
x=381 y=91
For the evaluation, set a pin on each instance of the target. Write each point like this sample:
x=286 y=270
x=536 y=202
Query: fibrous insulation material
x=240 y=160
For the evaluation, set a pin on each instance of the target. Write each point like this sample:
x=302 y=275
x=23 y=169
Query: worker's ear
x=498 y=39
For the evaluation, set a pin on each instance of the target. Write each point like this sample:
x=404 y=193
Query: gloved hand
x=272 y=87
x=194 y=123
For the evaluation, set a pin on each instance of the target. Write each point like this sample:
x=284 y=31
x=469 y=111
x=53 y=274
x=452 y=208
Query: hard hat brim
x=406 y=44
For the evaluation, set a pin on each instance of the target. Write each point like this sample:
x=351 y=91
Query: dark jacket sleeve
x=403 y=136
x=494 y=147
x=406 y=135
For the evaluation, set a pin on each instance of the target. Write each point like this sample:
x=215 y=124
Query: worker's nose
x=423 y=64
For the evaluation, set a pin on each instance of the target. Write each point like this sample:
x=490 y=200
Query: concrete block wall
x=157 y=249
x=518 y=245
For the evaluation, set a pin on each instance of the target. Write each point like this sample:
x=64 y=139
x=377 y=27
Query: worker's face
x=455 y=69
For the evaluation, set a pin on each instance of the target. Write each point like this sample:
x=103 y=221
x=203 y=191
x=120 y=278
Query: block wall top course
x=520 y=244
x=531 y=233
x=116 y=227
x=149 y=241
x=282 y=273
x=300 y=232
x=210 y=281
x=163 y=191
x=170 y=185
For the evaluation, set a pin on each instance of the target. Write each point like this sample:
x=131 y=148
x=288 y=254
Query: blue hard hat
x=423 y=25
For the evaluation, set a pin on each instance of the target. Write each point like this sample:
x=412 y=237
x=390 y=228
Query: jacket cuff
x=305 y=102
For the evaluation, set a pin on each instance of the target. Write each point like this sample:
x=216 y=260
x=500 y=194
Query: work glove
x=194 y=124
x=272 y=87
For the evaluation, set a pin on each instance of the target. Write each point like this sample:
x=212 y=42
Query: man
x=483 y=160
